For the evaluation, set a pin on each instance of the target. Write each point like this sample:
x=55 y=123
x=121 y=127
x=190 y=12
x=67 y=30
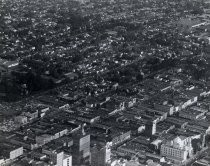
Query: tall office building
x=150 y=128
x=100 y=155
x=81 y=148
x=67 y=160
x=178 y=149
x=56 y=157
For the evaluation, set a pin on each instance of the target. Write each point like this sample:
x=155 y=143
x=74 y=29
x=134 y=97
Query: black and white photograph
x=104 y=82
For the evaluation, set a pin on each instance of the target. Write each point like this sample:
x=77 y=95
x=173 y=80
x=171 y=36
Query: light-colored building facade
x=178 y=149
x=16 y=153
x=67 y=161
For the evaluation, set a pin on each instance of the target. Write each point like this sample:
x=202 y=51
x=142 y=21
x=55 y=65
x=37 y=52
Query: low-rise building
x=191 y=114
x=21 y=119
x=10 y=151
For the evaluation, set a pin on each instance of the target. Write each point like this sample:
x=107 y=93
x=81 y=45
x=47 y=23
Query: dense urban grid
x=104 y=82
